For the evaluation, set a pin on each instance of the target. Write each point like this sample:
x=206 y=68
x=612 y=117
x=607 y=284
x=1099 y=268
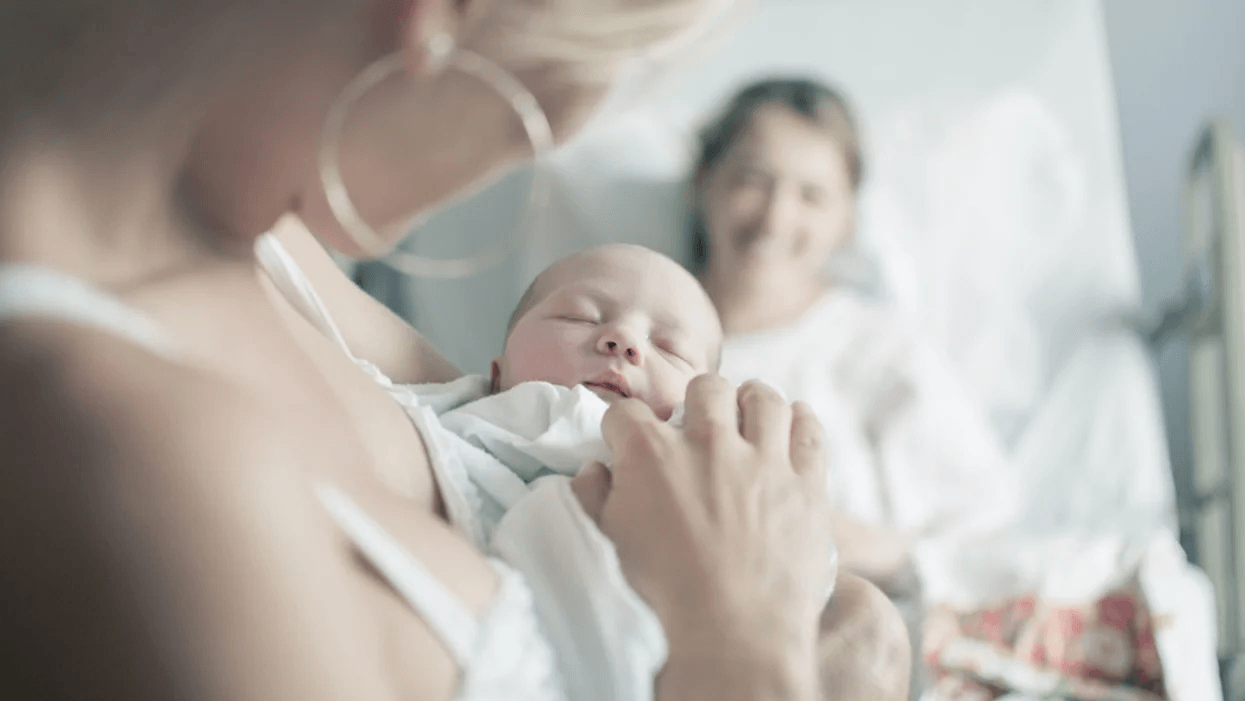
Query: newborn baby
x=614 y=322
x=621 y=321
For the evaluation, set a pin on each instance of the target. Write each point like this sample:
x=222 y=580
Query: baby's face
x=621 y=320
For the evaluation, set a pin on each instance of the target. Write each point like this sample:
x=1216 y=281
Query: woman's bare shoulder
x=85 y=397
x=159 y=508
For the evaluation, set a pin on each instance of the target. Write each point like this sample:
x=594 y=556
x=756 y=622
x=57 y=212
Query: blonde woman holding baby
x=205 y=497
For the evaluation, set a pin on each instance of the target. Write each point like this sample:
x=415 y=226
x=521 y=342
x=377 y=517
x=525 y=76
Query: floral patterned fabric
x=1102 y=651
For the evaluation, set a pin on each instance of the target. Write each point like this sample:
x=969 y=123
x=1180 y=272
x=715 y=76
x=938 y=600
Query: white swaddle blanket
x=521 y=447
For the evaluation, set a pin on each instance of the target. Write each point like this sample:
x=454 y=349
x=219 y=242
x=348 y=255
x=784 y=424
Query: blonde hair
x=86 y=58
x=586 y=39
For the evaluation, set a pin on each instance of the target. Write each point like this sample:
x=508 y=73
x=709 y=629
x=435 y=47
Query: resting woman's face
x=781 y=199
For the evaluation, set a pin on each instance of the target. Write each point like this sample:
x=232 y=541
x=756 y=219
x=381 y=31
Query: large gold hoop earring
x=535 y=125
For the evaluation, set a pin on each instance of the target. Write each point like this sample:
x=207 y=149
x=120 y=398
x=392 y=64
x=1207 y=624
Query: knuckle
x=807 y=427
x=630 y=428
x=802 y=410
x=808 y=440
x=755 y=395
x=709 y=384
x=759 y=389
x=770 y=409
x=705 y=433
x=623 y=414
x=649 y=442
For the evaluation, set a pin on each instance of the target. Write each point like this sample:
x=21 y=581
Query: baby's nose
x=620 y=344
x=623 y=348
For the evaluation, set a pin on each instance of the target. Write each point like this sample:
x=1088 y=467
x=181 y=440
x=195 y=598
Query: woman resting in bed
x=206 y=497
x=916 y=473
x=775 y=190
x=911 y=460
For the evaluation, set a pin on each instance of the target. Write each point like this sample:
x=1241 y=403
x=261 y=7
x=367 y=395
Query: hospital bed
x=993 y=218
x=1210 y=313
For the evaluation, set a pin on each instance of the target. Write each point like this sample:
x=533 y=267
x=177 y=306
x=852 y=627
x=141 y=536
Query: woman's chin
x=764 y=250
x=770 y=262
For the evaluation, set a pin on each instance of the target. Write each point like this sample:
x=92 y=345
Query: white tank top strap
x=293 y=284
x=28 y=291
x=444 y=613
x=295 y=287
x=461 y=500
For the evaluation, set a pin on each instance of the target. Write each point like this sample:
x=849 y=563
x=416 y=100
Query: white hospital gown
x=908 y=449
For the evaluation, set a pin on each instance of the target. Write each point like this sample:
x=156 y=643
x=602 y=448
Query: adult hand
x=721 y=527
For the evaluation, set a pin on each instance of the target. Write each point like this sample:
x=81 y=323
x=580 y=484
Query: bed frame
x=1213 y=319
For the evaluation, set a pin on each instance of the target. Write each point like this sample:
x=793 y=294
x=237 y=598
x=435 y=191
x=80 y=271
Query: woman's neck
x=749 y=302
x=113 y=221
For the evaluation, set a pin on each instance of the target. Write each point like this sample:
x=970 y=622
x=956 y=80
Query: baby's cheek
x=547 y=363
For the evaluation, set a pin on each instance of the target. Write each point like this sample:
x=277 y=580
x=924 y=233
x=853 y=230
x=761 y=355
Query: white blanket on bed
x=1089 y=462
x=1098 y=514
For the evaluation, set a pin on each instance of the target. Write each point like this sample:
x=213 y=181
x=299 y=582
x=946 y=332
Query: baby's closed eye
x=579 y=311
x=674 y=350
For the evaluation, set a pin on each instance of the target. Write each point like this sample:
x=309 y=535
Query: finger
x=633 y=433
x=712 y=408
x=808 y=446
x=765 y=418
x=592 y=487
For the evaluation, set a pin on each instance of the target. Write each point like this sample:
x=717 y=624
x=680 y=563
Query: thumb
x=592 y=488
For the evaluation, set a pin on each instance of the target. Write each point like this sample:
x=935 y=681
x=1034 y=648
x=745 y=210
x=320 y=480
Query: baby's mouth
x=610 y=385
x=608 y=388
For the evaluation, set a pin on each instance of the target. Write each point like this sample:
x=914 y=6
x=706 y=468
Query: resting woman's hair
x=820 y=104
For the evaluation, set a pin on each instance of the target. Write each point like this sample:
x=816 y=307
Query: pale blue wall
x=1176 y=63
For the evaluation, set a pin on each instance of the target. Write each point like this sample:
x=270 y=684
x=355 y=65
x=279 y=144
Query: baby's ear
x=495 y=383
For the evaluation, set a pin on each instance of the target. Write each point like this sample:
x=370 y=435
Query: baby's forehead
x=635 y=265
x=635 y=274
x=607 y=259
x=630 y=273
